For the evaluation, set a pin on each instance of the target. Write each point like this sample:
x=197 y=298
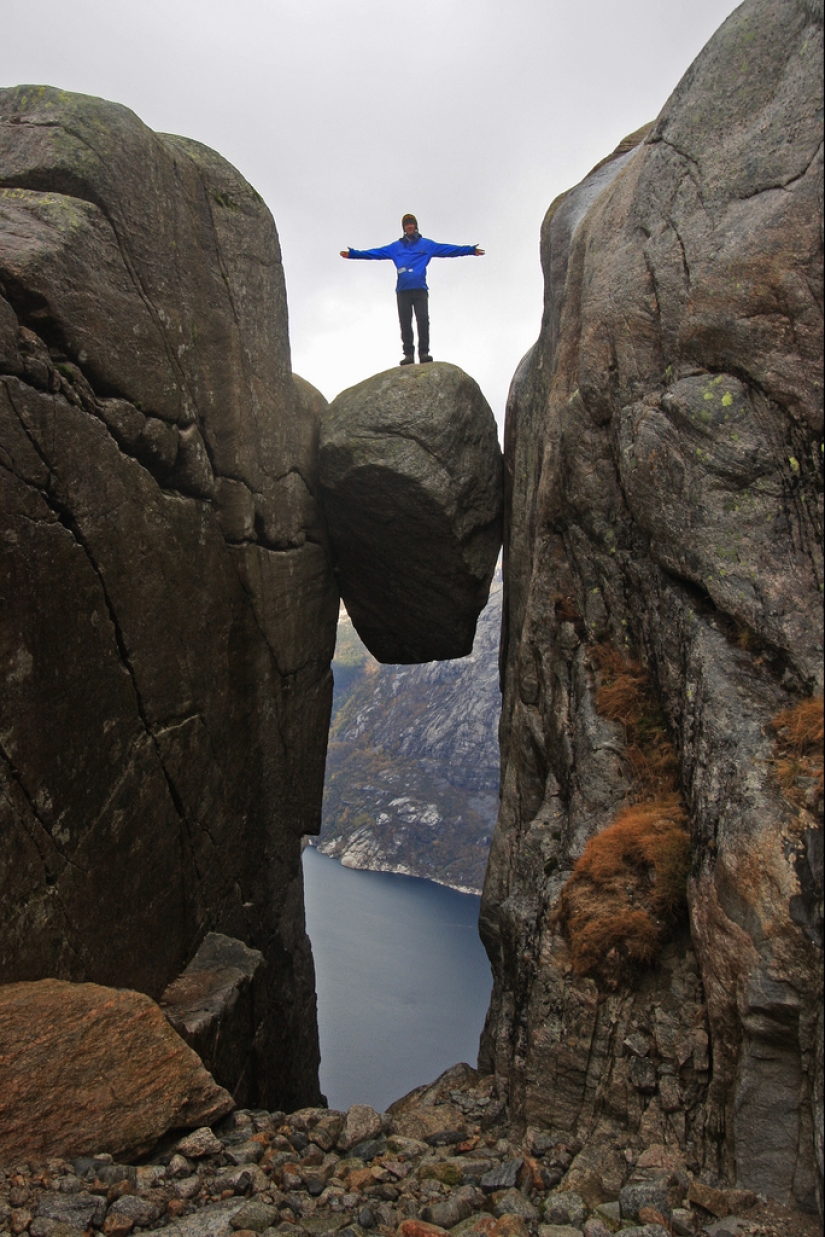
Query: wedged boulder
x=169 y=609
x=88 y=1069
x=663 y=579
x=410 y=472
x=215 y=1007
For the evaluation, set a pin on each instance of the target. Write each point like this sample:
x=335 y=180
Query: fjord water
x=402 y=978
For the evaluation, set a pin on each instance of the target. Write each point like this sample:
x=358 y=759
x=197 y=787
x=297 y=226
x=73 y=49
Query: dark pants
x=415 y=300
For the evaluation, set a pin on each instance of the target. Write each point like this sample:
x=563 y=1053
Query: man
x=411 y=255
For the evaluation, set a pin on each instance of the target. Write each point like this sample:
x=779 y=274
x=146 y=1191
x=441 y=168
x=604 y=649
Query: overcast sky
x=344 y=114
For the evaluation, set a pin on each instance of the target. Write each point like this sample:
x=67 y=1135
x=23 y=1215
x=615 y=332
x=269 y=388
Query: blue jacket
x=411 y=255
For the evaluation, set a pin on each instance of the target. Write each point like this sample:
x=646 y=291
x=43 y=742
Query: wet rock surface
x=663 y=501
x=410 y=471
x=168 y=607
x=317 y=1171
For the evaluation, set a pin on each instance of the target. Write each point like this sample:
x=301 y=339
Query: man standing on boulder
x=411 y=254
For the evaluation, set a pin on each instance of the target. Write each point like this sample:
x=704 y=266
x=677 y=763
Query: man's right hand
x=344 y=253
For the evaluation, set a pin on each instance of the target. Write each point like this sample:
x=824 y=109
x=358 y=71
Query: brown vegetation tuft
x=798 y=763
x=623 y=686
x=804 y=725
x=630 y=886
x=627 y=890
x=625 y=696
x=565 y=608
x=745 y=638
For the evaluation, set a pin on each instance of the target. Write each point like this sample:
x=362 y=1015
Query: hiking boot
x=407 y=360
x=426 y=357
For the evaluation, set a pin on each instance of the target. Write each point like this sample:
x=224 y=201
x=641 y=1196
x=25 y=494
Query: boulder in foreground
x=90 y=1069
x=410 y=471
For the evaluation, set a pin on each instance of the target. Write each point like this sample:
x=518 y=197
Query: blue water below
x=402 y=978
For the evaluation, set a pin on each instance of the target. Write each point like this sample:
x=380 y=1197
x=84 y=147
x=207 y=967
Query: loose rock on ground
x=318 y=1171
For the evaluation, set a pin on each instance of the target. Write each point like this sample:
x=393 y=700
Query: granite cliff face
x=169 y=591
x=168 y=607
x=662 y=633
x=412 y=763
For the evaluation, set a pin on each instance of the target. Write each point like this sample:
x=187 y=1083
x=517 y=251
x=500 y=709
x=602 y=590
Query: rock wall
x=412 y=764
x=168 y=611
x=664 y=501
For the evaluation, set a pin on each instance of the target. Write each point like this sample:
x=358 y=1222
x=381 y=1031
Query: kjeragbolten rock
x=410 y=471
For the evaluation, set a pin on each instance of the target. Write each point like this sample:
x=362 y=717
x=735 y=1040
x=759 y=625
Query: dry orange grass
x=627 y=890
x=798 y=763
x=623 y=685
x=630 y=886
x=565 y=608
x=625 y=696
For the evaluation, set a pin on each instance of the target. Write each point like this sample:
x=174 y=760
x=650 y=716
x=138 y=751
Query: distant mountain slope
x=412 y=766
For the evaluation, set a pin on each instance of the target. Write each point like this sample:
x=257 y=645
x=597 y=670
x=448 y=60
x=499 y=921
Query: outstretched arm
x=452 y=251
x=369 y=254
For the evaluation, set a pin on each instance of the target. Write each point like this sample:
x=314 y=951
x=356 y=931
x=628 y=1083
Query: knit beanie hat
x=409 y=219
